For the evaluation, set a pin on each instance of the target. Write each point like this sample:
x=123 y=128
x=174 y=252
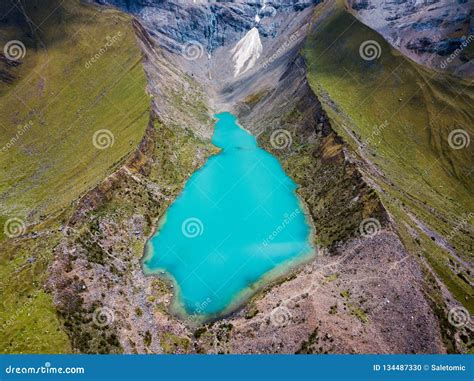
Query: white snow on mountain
x=246 y=52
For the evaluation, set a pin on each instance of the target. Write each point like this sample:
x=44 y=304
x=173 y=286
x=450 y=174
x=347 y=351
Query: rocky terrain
x=366 y=290
x=435 y=33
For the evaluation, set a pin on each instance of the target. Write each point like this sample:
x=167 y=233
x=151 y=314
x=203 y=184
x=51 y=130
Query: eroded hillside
x=437 y=34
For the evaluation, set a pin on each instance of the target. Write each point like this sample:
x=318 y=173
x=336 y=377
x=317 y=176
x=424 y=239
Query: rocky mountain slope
x=395 y=116
x=68 y=120
x=386 y=278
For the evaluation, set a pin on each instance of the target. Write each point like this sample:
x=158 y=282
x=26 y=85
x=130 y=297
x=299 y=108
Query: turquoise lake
x=236 y=224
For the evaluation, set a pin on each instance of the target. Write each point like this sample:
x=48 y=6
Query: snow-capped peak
x=246 y=52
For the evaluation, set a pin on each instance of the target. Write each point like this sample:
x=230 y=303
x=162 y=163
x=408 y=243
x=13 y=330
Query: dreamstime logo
x=103 y=317
x=103 y=139
x=45 y=369
x=464 y=44
x=281 y=139
x=464 y=221
x=19 y=311
x=376 y=132
x=192 y=227
x=20 y=131
x=281 y=49
x=369 y=227
x=280 y=316
x=287 y=219
x=192 y=50
x=14 y=50
x=199 y=310
x=14 y=227
x=459 y=139
x=370 y=50
x=458 y=317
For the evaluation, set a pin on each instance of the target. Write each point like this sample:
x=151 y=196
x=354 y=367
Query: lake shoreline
x=275 y=274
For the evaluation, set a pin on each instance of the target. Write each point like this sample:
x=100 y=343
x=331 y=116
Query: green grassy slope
x=28 y=320
x=398 y=115
x=67 y=100
x=55 y=161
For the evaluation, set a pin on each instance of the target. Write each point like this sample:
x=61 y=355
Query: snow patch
x=246 y=52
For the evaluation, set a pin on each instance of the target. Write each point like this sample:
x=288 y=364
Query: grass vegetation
x=67 y=98
x=144 y=196
x=28 y=320
x=398 y=115
x=55 y=161
x=336 y=197
x=174 y=344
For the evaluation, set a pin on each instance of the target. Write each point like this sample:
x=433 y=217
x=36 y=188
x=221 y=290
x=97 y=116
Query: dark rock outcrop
x=434 y=33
